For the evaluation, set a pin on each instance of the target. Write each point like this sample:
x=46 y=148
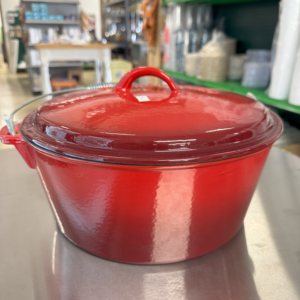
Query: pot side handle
x=10 y=134
x=127 y=80
x=22 y=146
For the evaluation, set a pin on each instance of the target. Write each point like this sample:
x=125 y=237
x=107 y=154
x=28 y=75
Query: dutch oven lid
x=152 y=125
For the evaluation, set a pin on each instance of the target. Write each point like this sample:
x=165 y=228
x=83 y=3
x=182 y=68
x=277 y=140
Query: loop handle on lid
x=127 y=80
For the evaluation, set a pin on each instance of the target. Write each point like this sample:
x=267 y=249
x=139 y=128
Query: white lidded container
x=192 y=64
x=212 y=62
x=236 y=66
x=257 y=69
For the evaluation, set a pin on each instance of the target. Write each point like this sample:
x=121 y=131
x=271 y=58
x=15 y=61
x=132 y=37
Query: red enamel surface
x=149 y=214
x=128 y=79
x=177 y=126
x=23 y=147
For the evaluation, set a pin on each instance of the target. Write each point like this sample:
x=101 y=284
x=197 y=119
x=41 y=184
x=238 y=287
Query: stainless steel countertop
x=261 y=262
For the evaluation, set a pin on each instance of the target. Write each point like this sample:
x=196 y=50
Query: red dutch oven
x=148 y=174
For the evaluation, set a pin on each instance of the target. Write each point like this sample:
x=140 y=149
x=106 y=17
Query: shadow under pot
x=229 y=268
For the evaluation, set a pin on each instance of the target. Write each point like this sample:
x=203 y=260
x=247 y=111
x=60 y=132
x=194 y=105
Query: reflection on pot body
x=171 y=239
x=150 y=215
x=225 y=273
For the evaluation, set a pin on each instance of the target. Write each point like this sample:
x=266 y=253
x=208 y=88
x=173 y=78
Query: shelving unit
x=55 y=7
x=235 y=87
x=124 y=43
x=41 y=22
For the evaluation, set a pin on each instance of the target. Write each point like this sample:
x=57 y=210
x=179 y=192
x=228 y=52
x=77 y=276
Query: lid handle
x=127 y=80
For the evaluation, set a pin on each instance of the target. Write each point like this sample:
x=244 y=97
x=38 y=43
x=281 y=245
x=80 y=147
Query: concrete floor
x=15 y=90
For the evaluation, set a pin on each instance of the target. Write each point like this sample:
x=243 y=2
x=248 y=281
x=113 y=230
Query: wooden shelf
x=236 y=87
x=60 y=65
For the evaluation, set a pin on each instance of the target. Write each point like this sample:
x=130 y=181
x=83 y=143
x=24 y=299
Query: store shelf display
x=236 y=87
x=48 y=21
x=40 y=13
x=188 y=29
x=249 y=73
x=122 y=24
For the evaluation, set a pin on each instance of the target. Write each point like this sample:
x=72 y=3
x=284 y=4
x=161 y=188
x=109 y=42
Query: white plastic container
x=257 y=69
x=259 y=55
x=256 y=74
x=236 y=66
x=192 y=64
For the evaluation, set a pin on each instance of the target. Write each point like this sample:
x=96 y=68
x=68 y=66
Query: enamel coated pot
x=147 y=174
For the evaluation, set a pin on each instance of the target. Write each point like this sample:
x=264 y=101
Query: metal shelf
x=41 y=22
x=36 y=90
x=61 y=65
x=55 y=6
x=236 y=87
x=212 y=2
x=53 y=1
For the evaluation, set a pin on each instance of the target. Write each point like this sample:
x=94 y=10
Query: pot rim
x=107 y=160
x=62 y=156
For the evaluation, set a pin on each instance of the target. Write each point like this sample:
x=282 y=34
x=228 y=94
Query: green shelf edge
x=235 y=87
x=212 y=2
